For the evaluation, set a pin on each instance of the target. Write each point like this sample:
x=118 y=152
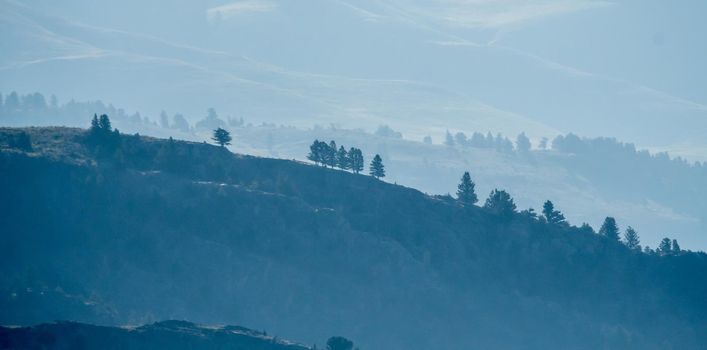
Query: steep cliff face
x=150 y=229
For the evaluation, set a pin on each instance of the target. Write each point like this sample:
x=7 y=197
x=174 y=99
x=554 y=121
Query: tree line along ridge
x=106 y=141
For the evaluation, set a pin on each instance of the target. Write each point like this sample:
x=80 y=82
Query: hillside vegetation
x=589 y=178
x=138 y=229
x=173 y=335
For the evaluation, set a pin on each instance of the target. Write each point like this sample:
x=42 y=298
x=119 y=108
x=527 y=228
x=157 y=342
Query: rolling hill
x=174 y=335
x=139 y=229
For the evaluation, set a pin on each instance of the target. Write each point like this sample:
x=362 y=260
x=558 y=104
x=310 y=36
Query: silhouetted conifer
x=551 y=215
x=222 y=137
x=342 y=158
x=631 y=239
x=331 y=154
x=94 y=124
x=376 y=169
x=102 y=137
x=104 y=123
x=315 y=152
x=665 y=247
x=676 y=247
x=465 y=190
x=356 y=161
x=500 y=203
x=609 y=229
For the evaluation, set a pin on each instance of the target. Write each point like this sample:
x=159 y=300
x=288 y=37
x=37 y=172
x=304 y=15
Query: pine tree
x=500 y=203
x=551 y=215
x=676 y=247
x=609 y=229
x=376 y=169
x=94 y=124
x=342 y=159
x=324 y=153
x=465 y=190
x=104 y=123
x=102 y=137
x=631 y=239
x=222 y=137
x=329 y=151
x=315 y=152
x=356 y=160
x=665 y=247
x=522 y=143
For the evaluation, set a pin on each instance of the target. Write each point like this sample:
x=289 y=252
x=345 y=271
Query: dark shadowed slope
x=136 y=229
x=173 y=335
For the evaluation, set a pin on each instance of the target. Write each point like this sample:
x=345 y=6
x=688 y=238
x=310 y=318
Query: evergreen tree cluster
x=500 y=203
x=479 y=140
x=102 y=136
x=523 y=252
x=328 y=155
x=106 y=140
x=624 y=156
x=37 y=107
x=668 y=247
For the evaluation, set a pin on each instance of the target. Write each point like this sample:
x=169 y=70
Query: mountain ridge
x=170 y=334
x=162 y=229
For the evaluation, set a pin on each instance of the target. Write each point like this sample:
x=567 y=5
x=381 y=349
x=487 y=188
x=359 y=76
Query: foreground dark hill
x=146 y=229
x=173 y=335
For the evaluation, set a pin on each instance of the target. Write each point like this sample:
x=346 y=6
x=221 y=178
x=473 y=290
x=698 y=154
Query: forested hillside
x=658 y=194
x=173 y=335
x=110 y=228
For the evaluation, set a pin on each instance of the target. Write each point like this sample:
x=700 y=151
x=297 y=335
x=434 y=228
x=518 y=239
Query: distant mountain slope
x=173 y=335
x=639 y=190
x=147 y=229
x=601 y=177
x=40 y=45
x=357 y=65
